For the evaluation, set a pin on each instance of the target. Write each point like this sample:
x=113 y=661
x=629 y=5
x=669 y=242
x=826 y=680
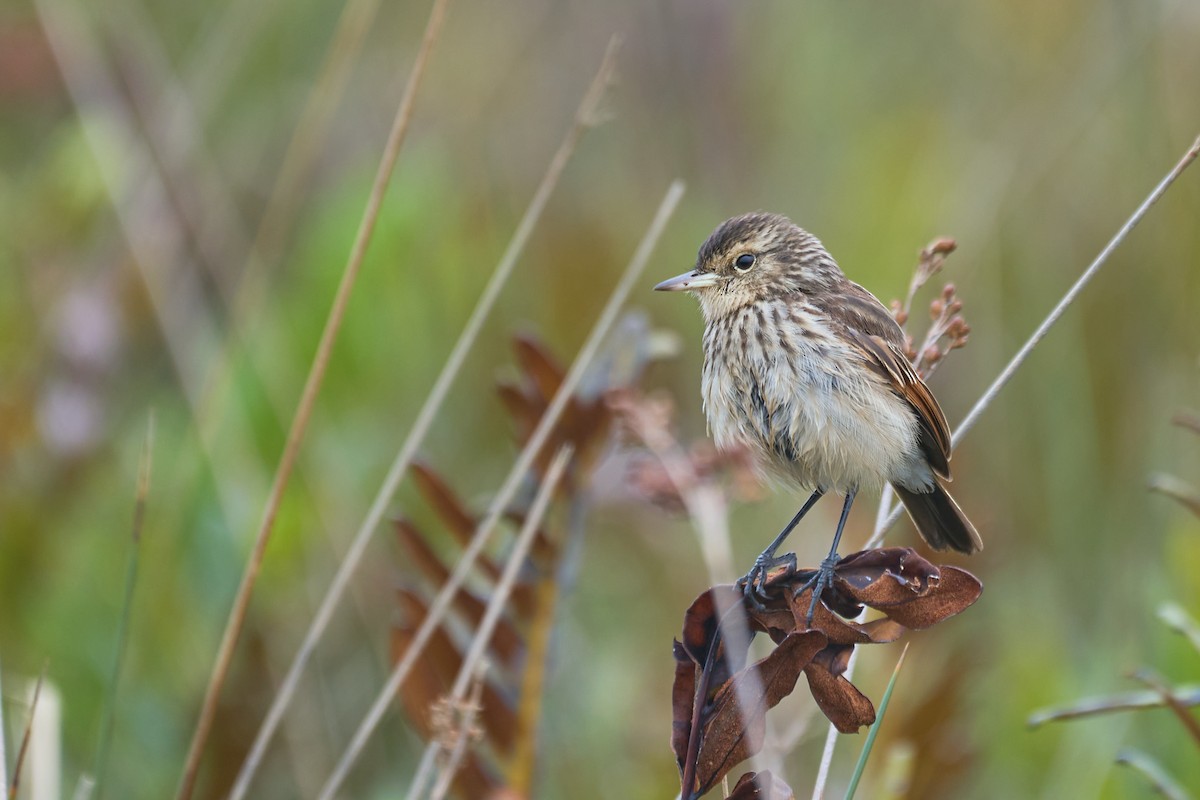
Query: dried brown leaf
x=450 y=510
x=841 y=703
x=538 y=365
x=761 y=786
x=732 y=731
x=433 y=675
x=506 y=642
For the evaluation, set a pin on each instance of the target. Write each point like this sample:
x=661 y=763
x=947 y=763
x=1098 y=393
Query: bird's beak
x=688 y=281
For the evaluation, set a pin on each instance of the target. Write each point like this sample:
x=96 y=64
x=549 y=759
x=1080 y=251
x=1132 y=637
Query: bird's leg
x=754 y=583
x=824 y=577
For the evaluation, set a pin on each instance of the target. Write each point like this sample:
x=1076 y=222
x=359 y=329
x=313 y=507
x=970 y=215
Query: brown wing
x=871 y=328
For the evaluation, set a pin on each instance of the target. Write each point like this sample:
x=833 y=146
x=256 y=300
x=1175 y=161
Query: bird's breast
x=778 y=380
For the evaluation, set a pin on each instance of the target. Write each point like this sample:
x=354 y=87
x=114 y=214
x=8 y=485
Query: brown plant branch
x=316 y=375
x=584 y=119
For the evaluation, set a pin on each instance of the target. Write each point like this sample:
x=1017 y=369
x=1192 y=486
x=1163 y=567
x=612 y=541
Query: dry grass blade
x=24 y=749
x=508 y=491
x=1170 y=699
x=1187 y=695
x=312 y=385
x=341 y=580
x=139 y=514
x=1055 y=314
x=1180 y=621
x=3 y=751
x=473 y=661
x=1178 y=490
x=1152 y=771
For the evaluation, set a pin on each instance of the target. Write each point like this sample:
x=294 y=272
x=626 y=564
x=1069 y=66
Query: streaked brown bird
x=807 y=369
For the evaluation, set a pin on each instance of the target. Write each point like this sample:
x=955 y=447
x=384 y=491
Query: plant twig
x=584 y=118
x=122 y=640
x=508 y=491
x=1152 y=771
x=1036 y=337
x=498 y=601
x=1148 y=678
x=3 y=751
x=316 y=375
x=20 y=762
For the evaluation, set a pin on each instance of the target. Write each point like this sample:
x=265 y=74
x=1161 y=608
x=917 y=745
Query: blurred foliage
x=1028 y=131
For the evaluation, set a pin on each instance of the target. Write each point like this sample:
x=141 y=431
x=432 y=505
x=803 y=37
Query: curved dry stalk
x=1055 y=314
x=20 y=762
x=472 y=662
x=885 y=521
x=316 y=375
x=584 y=118
x=122 y=638
x=508 y=491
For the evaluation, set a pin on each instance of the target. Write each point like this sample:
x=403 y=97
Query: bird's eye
x=744 y=262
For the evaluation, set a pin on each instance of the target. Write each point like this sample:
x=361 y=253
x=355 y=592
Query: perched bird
x=807 y=369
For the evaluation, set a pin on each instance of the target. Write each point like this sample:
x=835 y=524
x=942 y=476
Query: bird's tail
x=939 y=520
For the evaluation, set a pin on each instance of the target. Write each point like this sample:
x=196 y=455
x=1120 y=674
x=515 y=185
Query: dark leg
x=824 y=577
x=755 y=580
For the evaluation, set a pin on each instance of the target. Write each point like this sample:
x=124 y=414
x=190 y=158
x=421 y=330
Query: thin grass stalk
x=122 y=640
x=869 y=744
x=316 y=375
x=85 y=787
x=708 y=511
x=463 y=739
x=1158 y=778
x=24 y=749
x=1055 y=314
x=3 y=751
x=509 y=489
x=584 y=118
x=471 y=664
x=885 y=521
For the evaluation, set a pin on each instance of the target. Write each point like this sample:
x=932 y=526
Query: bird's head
x=755 y=257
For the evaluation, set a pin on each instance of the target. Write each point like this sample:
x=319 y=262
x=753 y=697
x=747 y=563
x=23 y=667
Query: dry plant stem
x=885 y=521
x=1040 y=333
x=473 y=661
x=703 y=499
x=139 y=514
x=3 y=750
x=584 y=118
x=520 y=773
x=693 y=750
x=463 y=739
x=508 y=491
x=1171 y=700
x=708 y=510
x=20 y=762
x=316 y=375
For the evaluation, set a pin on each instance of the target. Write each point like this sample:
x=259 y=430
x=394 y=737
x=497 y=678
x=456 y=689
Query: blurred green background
x=139 y=146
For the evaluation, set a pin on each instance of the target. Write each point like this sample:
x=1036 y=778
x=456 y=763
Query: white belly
x=811 y=410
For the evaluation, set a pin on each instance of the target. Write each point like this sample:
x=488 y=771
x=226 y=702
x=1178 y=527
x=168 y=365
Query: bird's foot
x=819 y=582
x=754 y=583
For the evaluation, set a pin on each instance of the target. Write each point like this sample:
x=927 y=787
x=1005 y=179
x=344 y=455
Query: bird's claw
x=819 y=582
x=754 y=583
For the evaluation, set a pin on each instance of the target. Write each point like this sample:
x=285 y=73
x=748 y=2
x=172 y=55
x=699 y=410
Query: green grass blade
x=870 y=742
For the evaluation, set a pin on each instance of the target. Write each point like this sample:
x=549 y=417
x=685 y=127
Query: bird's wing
x=871 y=328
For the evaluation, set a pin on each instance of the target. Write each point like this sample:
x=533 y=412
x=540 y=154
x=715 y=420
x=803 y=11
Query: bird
x=806 y=369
